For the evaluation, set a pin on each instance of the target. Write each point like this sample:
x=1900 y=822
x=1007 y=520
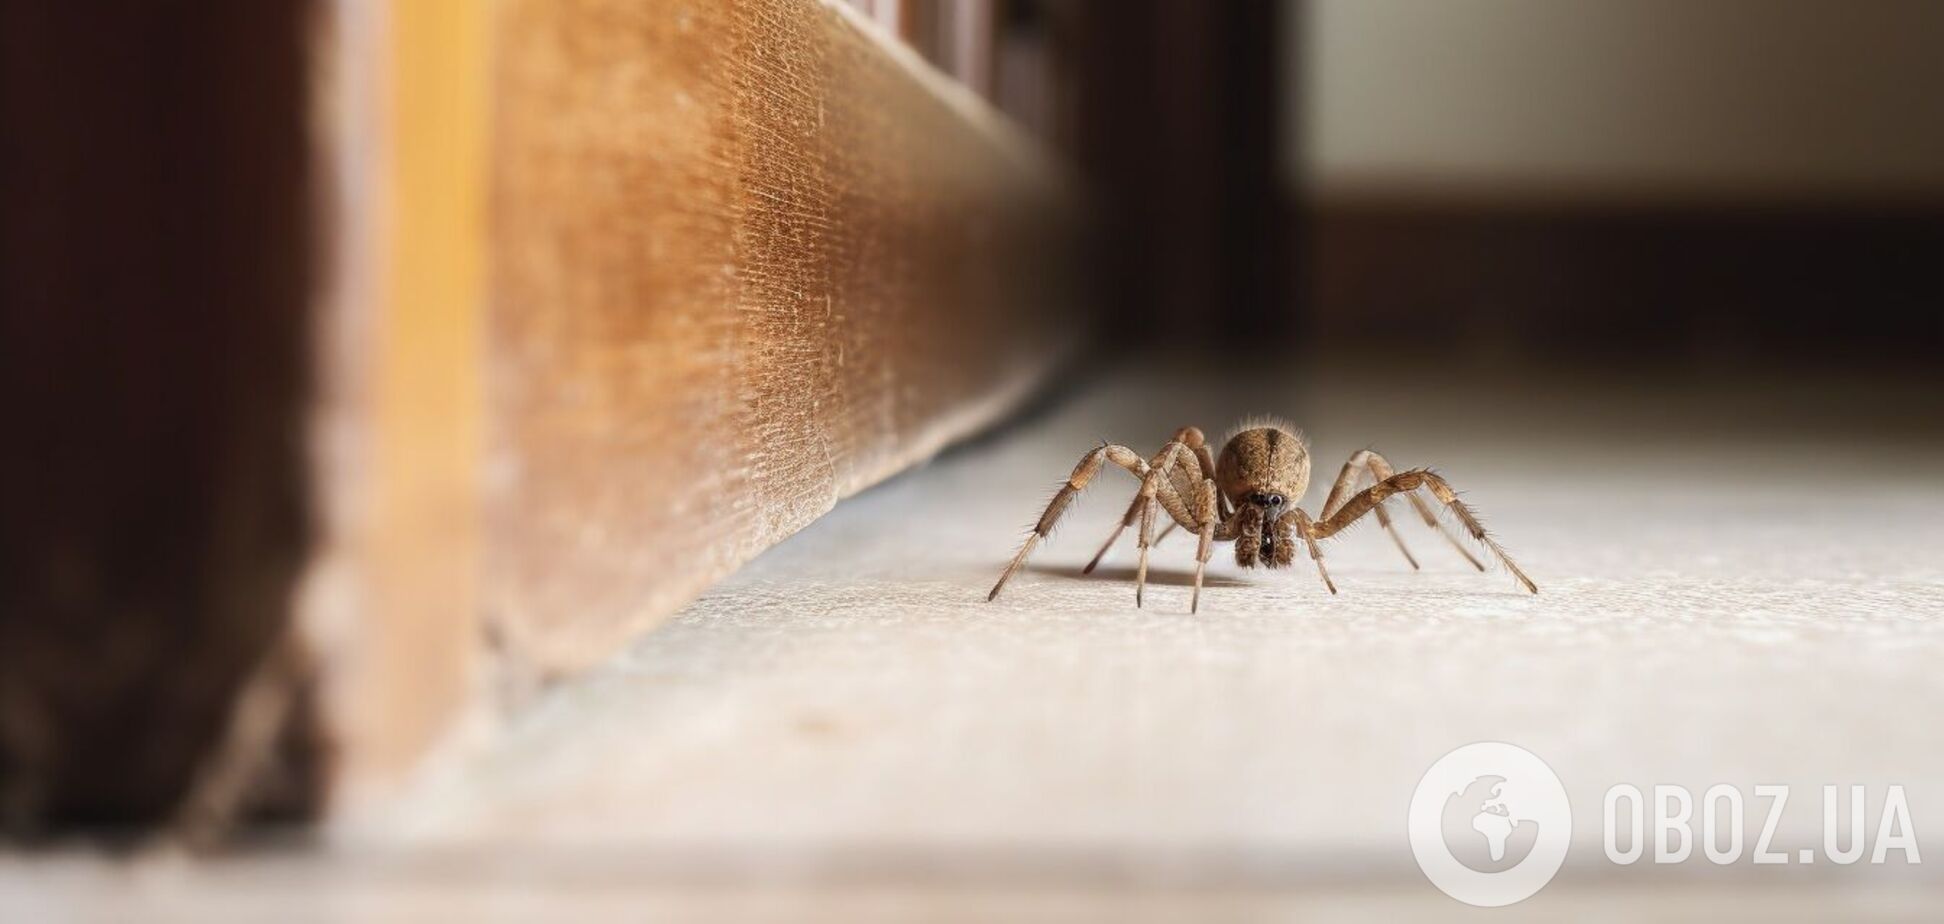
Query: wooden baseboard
x=360 y=377
x=749 y=259
x=647 y=287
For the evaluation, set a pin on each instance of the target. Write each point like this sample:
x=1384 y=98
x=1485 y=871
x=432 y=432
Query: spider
x=1249 y=498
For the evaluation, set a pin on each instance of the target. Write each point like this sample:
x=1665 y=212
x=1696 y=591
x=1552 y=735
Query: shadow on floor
x=1163 y=577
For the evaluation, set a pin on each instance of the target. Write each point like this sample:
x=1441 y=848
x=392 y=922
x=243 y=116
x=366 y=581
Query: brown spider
x=1249 y=498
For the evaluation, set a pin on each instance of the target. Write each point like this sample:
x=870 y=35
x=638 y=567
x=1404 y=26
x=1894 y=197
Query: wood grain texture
x=300 y=331
x=749 y=259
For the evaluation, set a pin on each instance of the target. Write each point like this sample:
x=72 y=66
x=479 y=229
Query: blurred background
x=550 y=391
x=1709 y=182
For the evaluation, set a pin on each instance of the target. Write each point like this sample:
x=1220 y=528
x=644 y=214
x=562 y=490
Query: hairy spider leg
x=1405 y=483
x=1368 y=463
x=1083 y=473
x=1205 y=466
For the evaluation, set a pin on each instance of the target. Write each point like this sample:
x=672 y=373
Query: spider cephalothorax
x=1262 y=472
x=1250 y=497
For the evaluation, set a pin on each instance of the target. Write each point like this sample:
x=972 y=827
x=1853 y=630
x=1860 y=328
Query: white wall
x=1620 y=97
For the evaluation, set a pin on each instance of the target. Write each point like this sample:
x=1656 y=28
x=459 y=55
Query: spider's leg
x=1188 y=436
x=1406 y=483
x=1355 y=471
x=1443 y=492
x=1156 y=490
x=1083 y=473
x=1366 y=463
x=1384 y=520
x=1206 y=510
x=1133 y=513
x=1307 y=528
x=1222 y=509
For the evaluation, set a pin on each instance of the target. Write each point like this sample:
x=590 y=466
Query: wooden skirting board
x=608 y=297
x=750 y=258
x=664 y=285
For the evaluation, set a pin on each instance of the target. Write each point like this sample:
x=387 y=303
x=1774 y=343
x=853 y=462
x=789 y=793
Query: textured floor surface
x=1739 y=585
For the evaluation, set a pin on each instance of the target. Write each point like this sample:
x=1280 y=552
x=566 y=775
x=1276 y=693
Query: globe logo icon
x=1489 y=824
x=1481 y=830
